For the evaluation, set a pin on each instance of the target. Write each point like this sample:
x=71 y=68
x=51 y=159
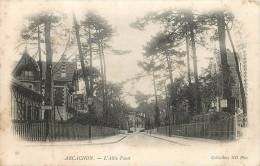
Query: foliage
x=209 y=88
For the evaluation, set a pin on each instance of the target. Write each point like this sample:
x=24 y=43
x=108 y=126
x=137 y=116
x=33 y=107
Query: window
x=59 y=96
x=63 y=75
x=30 y=86
x=27 y=75
x=29 y=113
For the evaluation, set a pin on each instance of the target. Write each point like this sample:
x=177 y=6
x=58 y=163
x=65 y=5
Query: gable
x=26 y=63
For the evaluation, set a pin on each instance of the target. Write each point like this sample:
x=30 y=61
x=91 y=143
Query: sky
x=120 y=14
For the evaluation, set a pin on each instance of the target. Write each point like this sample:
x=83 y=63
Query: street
x=135 y=139
x=145 y=140
x=122 y=149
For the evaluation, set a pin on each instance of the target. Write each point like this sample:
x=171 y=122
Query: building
x=27 y=76
x=26 y=98
x=25 y=103
x=64 y=87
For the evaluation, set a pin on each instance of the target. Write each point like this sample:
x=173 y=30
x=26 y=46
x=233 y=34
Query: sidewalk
x=186 y=141
x=95 y=141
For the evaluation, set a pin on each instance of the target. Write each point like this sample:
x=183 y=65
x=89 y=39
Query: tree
x=242 y=89
x=116 y=107
x=28 y=33
x=179 y=25
x=98 y=33
x=218 y=19
x=150 y=67
x=224 y=64
x=209 y=86
x=41 y=28
x=146 y=107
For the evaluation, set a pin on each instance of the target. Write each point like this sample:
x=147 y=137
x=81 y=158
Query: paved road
x=140 y=139
x=143 y=139
x=135 y=147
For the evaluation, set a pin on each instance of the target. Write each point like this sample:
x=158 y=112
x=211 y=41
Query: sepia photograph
x=130 y=83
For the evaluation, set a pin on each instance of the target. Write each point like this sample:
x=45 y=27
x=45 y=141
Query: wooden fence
x=58 y=131
x=221 y=129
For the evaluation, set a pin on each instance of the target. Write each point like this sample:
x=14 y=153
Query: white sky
x=120 y=14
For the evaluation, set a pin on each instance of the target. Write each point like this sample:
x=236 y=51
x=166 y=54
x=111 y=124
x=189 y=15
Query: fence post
x=235 y=126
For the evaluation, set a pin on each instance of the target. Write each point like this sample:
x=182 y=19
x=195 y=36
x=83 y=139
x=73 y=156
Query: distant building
x=27 y=75
x=131 y=119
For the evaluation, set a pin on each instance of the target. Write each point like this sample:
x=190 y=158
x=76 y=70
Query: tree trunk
x=81 y=57
x=48 y=80
x=85 y=77
x=224 y=63
x=154 y=85
x=40 y=57
x=241 y=86
x=104 y=62
x=188 y=59
x=102 y=77
x=105 y=80
x=90 y=61
x=195 y=66
x=169 y=65
x=190 y=97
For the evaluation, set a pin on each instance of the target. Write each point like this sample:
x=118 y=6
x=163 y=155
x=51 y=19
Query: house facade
x=27 y=89
x=26 y=99
x=25 y=103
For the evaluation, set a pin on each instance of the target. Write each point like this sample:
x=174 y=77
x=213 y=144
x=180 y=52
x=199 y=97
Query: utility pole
x=85 y=77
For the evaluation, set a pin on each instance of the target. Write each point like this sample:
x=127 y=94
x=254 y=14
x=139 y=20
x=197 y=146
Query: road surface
x=146 y=140
x=115 y=150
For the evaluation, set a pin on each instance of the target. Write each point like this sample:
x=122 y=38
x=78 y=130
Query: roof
x=26 y=60
x=19 y=84
x=70 y=68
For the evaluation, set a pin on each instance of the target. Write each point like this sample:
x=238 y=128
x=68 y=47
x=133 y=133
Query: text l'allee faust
x=90 y=157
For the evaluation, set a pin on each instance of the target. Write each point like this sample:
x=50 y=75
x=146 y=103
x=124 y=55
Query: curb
x=166 y=140
x=80 y=144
